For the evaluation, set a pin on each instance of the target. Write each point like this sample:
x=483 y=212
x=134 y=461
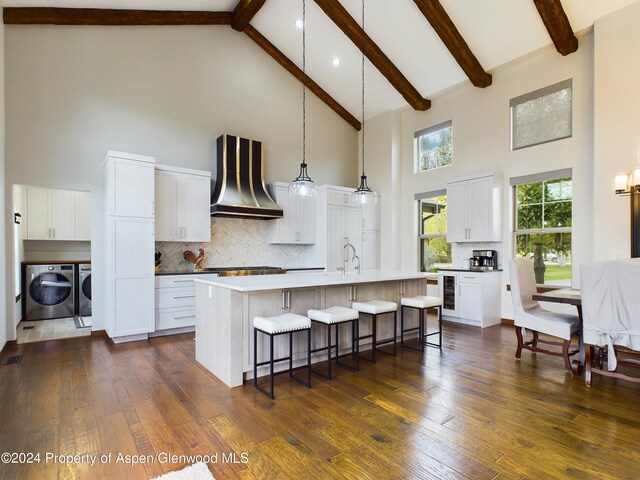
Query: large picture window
x=435 y=252
x=433 y=147
x=543 y=210
x=541 y=116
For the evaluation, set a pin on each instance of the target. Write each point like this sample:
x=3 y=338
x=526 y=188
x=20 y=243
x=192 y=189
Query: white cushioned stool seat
x=287 y=322
x=375 y=307
x=421 y=301
x=333 y=315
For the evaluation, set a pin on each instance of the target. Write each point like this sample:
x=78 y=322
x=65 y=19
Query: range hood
x=239 y=191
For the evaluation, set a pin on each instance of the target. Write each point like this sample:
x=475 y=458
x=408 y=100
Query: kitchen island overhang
x=225 y=308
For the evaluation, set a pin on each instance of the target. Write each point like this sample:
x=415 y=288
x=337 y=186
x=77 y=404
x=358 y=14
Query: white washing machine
x=50 y=291
x=85 y=289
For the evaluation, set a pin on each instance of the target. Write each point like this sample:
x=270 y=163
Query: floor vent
x=28 y=327
x=13 y=360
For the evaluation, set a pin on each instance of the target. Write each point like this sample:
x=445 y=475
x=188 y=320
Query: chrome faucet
x=344 y=260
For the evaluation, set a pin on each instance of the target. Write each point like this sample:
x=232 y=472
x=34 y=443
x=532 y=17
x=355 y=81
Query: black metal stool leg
x=357 y=344
x=309 y=358
x=271 y=366
x=374 y=338
x=329 y=351
x=402 y=325
x=255 y=358
x=395 y=332
x=290 y=354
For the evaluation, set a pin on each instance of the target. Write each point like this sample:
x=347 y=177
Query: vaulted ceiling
x=415 y=48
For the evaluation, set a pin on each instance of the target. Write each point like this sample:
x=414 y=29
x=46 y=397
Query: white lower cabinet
x=176 y=301
x=471 y=297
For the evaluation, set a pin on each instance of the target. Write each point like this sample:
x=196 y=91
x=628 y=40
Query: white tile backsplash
x=235 y=242
x=462 y=252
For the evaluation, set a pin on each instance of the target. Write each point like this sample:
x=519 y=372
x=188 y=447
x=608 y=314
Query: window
x=543 y=206
x=541 y=116
x=435 y=252
x=433 y=147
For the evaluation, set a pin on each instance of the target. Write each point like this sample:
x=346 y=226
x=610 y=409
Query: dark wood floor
x=472 y=411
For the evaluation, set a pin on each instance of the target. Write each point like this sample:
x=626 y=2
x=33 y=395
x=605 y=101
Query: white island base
x=225 y=308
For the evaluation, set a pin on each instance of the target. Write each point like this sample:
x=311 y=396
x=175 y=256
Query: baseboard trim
x=98 y=333
x=506 y=321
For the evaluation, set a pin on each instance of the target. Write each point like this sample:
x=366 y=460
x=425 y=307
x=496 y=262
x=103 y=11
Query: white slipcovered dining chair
x=531 y=316
x=610 y=294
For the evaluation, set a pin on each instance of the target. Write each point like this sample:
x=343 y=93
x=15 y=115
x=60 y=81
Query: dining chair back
x=529 y=315
x=610 y=309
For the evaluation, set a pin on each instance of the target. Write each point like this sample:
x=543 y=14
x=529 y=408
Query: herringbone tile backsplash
x=234 y=243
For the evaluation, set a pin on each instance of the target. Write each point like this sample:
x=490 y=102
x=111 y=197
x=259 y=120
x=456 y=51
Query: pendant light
x=302 y=185
x=363 y=195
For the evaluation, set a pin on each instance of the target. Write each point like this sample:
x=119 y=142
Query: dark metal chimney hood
x=239 y=191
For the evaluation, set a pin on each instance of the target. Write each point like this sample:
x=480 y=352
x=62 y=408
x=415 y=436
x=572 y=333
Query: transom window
x=541 y=116
x=435 y=252
x=433 y=147
x=543 y=210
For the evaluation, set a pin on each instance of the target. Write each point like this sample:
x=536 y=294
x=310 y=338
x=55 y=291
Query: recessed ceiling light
x=335 y=61
x=299 y=23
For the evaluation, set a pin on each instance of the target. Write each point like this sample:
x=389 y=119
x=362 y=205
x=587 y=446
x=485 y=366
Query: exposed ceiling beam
x=558 y=26
x=280 y=57
x=437 y=16
x=337 y=13
x=107 y=16
x=244 y=12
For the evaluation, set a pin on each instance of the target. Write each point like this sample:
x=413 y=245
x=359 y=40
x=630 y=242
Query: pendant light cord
x=362 y=125
x=304 y=86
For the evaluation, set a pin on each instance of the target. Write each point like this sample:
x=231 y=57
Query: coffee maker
x=484 y=260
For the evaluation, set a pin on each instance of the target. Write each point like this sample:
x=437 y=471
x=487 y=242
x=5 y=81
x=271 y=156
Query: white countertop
x=314 y=279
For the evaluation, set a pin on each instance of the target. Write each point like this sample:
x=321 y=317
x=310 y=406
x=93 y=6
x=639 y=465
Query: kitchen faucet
x=344 y=260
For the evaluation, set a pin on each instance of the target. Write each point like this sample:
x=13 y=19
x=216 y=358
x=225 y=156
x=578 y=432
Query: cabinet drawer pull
x=182 y=281
x=184 y=296
x=184 y=316
x=472 y=278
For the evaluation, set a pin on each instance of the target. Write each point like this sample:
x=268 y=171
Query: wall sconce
x=625 y=183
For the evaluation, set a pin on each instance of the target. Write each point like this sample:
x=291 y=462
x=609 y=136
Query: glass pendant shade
x=302 y=185
x=364 y=195
x=634 y=178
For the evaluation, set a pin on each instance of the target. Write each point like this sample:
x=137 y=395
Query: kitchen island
x=225 y=308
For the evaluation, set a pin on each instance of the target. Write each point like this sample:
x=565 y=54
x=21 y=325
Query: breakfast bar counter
x=225 y=308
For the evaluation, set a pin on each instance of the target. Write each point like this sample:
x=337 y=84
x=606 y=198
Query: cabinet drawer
x=176 y=281
x=175 y=297
x=175 y=318
x=465 y=277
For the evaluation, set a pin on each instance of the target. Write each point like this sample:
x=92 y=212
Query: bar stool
x=337 y=316
x=421 y=303
x=375 y=308
x=274 y=326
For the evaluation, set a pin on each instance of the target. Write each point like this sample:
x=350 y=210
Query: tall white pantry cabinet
x=129 y=190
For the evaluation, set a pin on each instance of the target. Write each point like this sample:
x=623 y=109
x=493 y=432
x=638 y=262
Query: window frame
x=540 y=178
x=425 y=236
x=426 y=131
x=534 y=95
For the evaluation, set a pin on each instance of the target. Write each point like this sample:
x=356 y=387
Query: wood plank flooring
x=470 y=411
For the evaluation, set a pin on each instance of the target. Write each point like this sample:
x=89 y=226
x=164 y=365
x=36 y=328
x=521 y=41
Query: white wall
x=616 y=126
x=7 y=329
x=481 y=143
x=75 y=92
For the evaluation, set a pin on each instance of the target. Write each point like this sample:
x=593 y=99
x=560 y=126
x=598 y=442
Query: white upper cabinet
x=182 y=206
x=474 y=209
x=298 y=222
x=124 y=177
x=83 y=215
x=371 y=216
x=53 y=215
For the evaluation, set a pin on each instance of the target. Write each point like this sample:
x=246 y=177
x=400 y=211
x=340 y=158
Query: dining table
x=568 y=296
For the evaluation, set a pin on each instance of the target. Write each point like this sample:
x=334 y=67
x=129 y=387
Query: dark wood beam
x=437 y=16
x=107 y=16
x=555 y=19
x=337 y=13
x=280 y=57
x=244 y=12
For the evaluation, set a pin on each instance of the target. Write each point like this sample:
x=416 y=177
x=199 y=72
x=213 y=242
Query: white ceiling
x=497 y=31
